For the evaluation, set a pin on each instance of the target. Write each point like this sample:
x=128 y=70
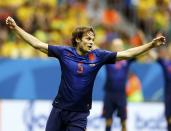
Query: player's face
x=87 y=42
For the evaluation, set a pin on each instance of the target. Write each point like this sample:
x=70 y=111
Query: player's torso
x=79 y=65
x=116 y=77
x=117 y=71
x=168 y=68
x=167 y=72
x=79 y=72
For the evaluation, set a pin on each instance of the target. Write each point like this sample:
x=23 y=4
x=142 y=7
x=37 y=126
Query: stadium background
x=29 y=80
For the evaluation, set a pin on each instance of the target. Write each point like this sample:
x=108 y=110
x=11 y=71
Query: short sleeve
x=108 y=57
x=55 y=51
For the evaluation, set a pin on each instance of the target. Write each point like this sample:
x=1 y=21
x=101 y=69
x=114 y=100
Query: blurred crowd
x=52 y=21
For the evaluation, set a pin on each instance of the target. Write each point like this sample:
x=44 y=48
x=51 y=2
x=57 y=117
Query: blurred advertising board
x=24 y=115
x=33 y=78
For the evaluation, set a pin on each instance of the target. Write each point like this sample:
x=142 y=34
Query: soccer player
x=79 y=66
x=115 y=100
x=163 y=57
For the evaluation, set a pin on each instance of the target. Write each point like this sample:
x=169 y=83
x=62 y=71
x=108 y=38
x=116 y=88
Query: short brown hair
x=78 y=33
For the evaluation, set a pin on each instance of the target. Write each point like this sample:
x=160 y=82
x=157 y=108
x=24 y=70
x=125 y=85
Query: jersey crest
x=91 y=57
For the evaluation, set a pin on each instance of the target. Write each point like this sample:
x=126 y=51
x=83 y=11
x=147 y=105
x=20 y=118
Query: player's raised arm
x=133 y=52
x=31 y=40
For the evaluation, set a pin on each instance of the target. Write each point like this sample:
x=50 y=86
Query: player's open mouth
x=89 y=47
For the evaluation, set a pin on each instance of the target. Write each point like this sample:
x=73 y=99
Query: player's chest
x=79 y=65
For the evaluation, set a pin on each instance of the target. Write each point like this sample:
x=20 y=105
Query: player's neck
x=80 y=51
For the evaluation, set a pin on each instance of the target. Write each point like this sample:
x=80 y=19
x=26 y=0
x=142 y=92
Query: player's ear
x=78 y=40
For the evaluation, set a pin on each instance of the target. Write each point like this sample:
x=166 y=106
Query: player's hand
x=10 y=22
x=158 y=41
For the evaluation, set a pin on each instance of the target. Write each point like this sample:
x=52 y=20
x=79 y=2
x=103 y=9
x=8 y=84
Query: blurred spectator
x=111 y=18
x=11 y=3
x=95 y=9
x=25 y=15
x=137 y=39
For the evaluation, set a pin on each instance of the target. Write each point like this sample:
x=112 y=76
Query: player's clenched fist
x=10 y=22
x=160 y=40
